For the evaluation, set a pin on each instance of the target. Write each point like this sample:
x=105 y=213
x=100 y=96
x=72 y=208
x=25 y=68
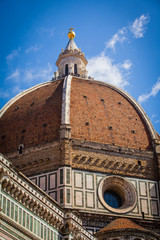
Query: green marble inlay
x=4 y=205
x=16 y=213
x=68 y=176
x=51 y=235
x=27 y=222
x=0 y=200
x=45 y=233
x=55 y=236
x=20 y=216
x=34 y=225
x=41 y=230
x=48 y=234
x=24 y=218
x=38 y=228
x=61 y=196
x=12 y=210
x=31 y=223
x=68 y=195
x=61 y=176
x=8 y=207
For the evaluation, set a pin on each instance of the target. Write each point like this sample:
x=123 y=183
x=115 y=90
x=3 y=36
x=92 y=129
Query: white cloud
x=34 y=48
x=13 y=54
x=48 y=31
x=118 y=37
x=32 y=74
x=44 y=74
x=138 y=28
x=14 y=75
x=104 y=69
x=127 y=64
x=154 y=91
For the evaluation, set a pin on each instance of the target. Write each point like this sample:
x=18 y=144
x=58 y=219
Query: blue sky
x=120 y=39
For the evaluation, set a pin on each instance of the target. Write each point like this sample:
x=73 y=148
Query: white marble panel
x=89 y=181
x=42 y=183
x=152 y=190
x=78 y=180
x=89 y=200
x=144 y=206
x=78 y=198
x=143 y=188
x=154 y=207
x=52 y=181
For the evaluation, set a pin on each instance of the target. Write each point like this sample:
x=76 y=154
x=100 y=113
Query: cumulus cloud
x=118 y=37
x=138 y=28
x=104 y=69
x=154 y=91
x=13 y=54
x=34 y=48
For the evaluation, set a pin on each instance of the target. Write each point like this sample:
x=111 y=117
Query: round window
x=117 y=194
x=112 y=199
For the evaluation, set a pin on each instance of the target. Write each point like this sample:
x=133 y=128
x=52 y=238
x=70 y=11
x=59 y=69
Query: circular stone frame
x=123 y=188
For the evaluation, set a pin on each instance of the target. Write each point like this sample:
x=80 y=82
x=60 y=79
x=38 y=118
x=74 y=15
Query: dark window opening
x=16 y=108
x=3 y=136
x=75 y=69
x=139 y=163
x=112 y=199
x=20 y=150
x=110 y=127
x=66 y=69
x=32 y=104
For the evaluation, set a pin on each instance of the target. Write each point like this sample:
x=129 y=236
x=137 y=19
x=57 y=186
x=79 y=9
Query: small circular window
x=117 y=194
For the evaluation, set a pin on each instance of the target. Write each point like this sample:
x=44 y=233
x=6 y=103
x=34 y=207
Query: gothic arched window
x=66 y=69
x=75 y=68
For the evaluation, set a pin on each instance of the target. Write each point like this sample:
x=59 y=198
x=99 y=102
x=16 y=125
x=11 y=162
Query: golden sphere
x=71 y=35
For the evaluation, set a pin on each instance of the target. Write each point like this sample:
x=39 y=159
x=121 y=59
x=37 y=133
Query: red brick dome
x=99 y=113
x=33 y=118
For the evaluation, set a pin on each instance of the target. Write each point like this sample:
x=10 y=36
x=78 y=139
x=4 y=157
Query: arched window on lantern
x=75 y=68
x=66 y=69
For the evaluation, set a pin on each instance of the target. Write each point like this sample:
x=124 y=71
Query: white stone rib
x=65 y=118
x=14 y=99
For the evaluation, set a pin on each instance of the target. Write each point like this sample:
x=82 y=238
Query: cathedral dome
x=99 y=113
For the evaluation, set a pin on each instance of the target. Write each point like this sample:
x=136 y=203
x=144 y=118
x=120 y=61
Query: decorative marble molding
x=27 y=194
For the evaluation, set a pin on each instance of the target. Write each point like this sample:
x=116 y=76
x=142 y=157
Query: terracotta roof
x=121 y=223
